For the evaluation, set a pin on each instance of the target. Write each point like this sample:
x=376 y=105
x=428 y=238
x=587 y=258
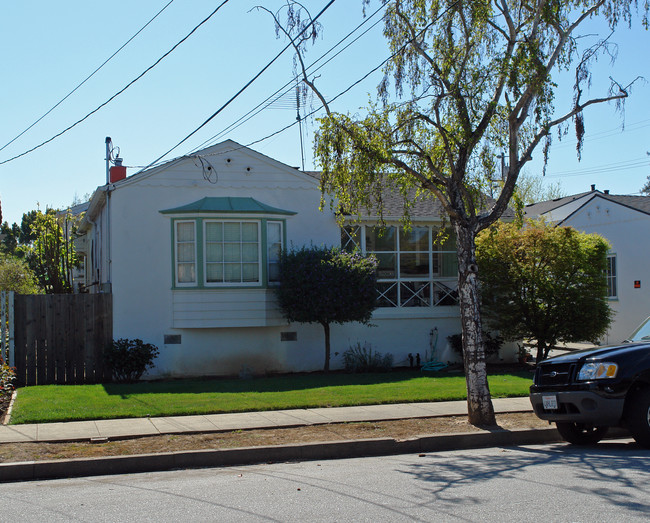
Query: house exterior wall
x=628 y=232
x=226 y=331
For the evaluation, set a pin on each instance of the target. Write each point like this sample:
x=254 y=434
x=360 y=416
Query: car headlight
x=598 y=371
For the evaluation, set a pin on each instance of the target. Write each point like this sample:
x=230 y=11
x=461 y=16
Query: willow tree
x=465 y=81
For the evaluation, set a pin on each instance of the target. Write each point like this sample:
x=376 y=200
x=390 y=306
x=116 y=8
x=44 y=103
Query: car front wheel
x=638 y=417
x=580 y=433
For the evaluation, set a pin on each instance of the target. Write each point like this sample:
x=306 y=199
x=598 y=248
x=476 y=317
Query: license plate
x=549 y=402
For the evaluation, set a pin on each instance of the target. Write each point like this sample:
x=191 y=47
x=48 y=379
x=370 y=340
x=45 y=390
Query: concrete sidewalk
x=100 y=430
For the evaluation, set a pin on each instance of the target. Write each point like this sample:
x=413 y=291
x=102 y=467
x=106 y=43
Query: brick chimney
x=118 y=171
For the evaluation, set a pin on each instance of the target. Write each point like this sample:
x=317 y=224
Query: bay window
x=227 y=242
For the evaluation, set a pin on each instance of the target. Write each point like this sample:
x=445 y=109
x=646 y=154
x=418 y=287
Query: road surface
x=609 y=482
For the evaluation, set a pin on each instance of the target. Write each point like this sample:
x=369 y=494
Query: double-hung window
x=611 y=277
x=275 y=245
x=185 y=253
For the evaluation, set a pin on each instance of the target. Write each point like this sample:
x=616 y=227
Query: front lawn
x=50 y=403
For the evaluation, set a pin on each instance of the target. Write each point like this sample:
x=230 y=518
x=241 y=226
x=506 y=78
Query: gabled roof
x=638 y=203
x=227 y=204
x=421 y=207
x=537 y=209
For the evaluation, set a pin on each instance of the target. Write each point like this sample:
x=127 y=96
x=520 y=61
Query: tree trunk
x=479 y=402
x=540 y=351
x=326 y=328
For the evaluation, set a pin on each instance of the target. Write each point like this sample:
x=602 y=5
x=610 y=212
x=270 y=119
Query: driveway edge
x=52 y=469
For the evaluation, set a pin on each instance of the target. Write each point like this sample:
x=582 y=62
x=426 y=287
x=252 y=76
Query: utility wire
x=289 y=86
x=89 y=76
x=349 y=88
x=123 y=89
x=619 y=166
x=238 y=93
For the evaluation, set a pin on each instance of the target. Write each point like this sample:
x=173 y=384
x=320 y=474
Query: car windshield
x=642 y=333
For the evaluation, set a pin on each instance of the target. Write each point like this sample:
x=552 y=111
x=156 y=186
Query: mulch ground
x=398 y=429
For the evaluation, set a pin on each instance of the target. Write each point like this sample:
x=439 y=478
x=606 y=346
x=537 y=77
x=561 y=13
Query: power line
x=88 y=77
x=349 y=88
x=123 y=89
x=613 y=167
x=289 y=86
x=246 y=86
x=591 y=137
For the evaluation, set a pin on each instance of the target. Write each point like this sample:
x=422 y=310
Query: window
x=185 y=253
x=227 y=252
x=275 y=246
x=416 y=267
x=232 y=252
x=611 y=276
x=221 y=241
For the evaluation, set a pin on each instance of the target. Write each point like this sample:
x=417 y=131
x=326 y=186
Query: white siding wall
x=225 y=308
x=628 y=231
x=147 y=307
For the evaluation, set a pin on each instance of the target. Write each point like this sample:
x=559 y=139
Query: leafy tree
x=17 y=237
x=465 y=81
x=15 y=275
x=531 y=189
x=544 y=282
x=51 y=254
x=321 y=285
x=646 y=188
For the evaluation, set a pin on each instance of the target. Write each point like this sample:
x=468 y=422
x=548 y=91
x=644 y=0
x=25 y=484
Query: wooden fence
x=60 y=338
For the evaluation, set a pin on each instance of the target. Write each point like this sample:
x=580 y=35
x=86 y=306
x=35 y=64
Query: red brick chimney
x=118 y=171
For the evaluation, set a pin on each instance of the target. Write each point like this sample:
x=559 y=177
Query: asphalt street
x=558 y=482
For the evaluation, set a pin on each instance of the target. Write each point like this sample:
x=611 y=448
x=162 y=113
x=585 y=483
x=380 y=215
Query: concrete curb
x=37 y=470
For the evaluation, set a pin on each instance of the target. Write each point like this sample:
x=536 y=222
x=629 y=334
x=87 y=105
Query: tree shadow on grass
x=289 y=382
x=261 y=384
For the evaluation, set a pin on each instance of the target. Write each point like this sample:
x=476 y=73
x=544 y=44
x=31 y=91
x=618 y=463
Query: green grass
x=50 y=403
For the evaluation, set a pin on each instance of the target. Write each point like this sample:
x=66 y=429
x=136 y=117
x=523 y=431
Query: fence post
x=3 y=327
x=11 y=358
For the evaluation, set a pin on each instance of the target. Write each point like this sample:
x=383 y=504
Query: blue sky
x=48 y=48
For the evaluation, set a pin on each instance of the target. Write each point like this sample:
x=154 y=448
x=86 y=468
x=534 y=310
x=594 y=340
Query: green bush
x=492 y=343
x=128 y=359
x=363 y=359
x=7 y=377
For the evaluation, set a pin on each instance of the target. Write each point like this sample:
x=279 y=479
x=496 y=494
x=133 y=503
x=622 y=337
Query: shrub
x=327 y=285
x=128 y=359
x=7 y=377
x=492 y=343
x=363 y=359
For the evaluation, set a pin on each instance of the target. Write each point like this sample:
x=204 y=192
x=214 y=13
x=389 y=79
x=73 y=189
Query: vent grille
x=560 y=374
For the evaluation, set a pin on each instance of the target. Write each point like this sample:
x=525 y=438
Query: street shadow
x=604 y=471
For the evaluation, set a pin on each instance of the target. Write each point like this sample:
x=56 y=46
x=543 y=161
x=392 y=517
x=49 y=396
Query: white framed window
x=185 y=253
x=231 y=252
x=275 y=245
x=612 y=291
x=416 y=268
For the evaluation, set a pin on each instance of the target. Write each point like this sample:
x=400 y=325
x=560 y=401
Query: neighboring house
x=625 y=222
x=189 y=250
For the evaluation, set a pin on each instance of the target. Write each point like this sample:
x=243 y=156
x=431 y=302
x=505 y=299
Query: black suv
x=586 y=392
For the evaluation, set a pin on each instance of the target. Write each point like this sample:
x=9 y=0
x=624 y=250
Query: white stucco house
x=625 y=222
x=189 y=250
